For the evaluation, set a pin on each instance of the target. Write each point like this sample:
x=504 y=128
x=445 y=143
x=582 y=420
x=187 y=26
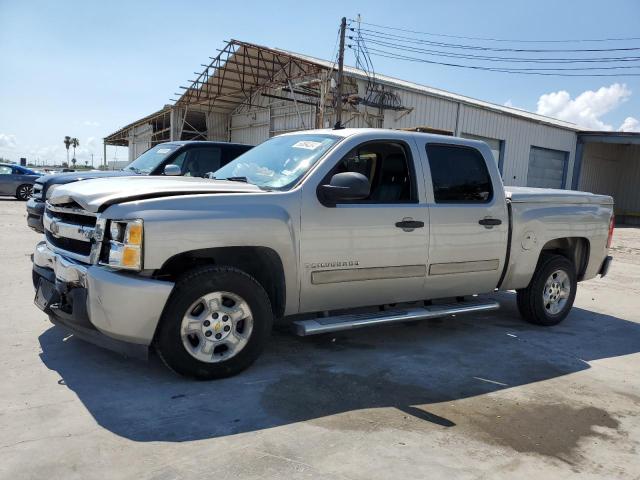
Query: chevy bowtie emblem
x=54 y=228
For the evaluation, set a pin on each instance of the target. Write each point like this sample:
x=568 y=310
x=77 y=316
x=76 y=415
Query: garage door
x=547 y=168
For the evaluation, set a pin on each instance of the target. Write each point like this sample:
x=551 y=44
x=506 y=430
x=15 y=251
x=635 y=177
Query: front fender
x=173 y=225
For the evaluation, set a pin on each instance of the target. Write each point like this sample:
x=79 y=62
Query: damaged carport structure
x=244 y=85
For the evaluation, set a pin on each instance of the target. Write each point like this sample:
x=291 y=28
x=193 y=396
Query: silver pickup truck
x=326 y=230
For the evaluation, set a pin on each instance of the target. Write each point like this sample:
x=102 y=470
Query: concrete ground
x=458 y=398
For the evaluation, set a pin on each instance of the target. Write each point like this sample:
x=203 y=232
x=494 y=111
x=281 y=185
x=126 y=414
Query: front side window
x=201 y=161
x=279 y=162
x=151 y=159
x=459 y=174
x=386 y=166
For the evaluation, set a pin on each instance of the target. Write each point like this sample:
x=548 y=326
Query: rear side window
x=459 y=174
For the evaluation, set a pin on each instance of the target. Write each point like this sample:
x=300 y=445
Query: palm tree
x=67 y=143
x=75 y=143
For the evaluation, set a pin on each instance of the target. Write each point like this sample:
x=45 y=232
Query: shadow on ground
x=302 y=379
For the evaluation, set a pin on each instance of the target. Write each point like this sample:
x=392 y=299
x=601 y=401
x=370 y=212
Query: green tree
x=75 y=143
x=67 y=143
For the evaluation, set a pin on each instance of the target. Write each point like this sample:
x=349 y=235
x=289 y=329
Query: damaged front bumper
x=118 y=311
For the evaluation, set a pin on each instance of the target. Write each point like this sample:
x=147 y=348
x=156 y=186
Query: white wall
x=139 y=140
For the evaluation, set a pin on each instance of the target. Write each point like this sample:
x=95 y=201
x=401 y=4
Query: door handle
x=409 y=224
x=490 y=222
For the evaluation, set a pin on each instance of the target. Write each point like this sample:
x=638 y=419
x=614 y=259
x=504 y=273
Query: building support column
x=577 y=165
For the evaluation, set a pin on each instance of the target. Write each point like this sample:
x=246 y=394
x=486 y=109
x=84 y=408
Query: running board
x=349 y=321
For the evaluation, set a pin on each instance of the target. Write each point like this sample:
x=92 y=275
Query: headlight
x=125 y=244
x=49 y=191
x=116 y=231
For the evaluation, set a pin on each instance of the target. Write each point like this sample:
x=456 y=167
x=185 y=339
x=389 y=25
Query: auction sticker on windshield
x=163 y=150
x=307 y=144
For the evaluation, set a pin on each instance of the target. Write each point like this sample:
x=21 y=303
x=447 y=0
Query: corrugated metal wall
x=139 y=140
x=251 y=127
x=519 y=135
x=600 y=172
x=628 y=199
x=614 y=170
x=217 y=126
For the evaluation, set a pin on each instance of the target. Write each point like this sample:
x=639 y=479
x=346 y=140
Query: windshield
x=279 y=162
x=151 y=159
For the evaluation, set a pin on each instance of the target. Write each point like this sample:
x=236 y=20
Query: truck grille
x=74 y=232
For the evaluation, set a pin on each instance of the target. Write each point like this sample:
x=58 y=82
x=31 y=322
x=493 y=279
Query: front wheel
x=215 y=325
x=23 y=192
x=550 y=294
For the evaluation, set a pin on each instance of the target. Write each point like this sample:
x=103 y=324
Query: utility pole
x=343 y=28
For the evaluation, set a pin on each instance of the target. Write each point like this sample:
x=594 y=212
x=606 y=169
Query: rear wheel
x=215 y=325
x=550 y=294
x=23 y=192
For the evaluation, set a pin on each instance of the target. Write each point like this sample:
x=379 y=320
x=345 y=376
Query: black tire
x=23 y=192
x=530 y=300
x=195 y=284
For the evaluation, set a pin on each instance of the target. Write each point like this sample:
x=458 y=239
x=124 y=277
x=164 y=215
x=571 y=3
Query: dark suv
x=188 y=158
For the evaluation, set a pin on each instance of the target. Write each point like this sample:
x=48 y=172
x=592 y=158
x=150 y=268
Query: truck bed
x=552 y=195
x=540 y=216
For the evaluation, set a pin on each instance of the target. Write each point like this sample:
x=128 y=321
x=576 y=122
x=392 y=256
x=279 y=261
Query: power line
x=489 y=39
x=386 y=54
x=379 y=34
x=493 y=58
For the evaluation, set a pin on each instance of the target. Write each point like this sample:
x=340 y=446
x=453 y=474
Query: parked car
x=16 y=180
x=327 y=230
x=193 y=158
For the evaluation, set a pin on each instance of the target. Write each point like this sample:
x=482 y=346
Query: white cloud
x=586 y=109
x=508 y=103
x=91 y=123
x=7 y=141
x=630 y=124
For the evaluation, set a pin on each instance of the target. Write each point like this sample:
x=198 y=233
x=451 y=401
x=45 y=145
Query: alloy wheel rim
x=216 y=327
x=25 y=191
x=556 y=292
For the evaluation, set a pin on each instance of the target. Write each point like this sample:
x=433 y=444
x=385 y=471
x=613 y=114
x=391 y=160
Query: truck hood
x=93 y=195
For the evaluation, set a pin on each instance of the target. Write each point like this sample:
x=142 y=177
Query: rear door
x=468 y=220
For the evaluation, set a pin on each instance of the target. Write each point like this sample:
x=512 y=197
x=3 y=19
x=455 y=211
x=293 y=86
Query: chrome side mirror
x=172 y=170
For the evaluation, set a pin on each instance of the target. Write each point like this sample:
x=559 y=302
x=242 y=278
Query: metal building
x=249 y=93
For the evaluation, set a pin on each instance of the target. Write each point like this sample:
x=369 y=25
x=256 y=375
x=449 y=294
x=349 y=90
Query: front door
x=371 y=251
x=469 y=222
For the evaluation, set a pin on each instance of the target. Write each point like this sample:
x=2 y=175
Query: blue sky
x=86 y=68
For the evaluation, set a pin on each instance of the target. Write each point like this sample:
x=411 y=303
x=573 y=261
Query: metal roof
x=624 y=138
x=120 y=136
x=241 y=70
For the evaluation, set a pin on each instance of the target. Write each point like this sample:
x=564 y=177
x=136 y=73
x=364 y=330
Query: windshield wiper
x=234 y=179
